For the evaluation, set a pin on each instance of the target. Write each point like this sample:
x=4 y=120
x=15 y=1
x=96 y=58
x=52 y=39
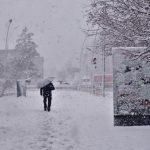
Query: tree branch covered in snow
x=126 y=22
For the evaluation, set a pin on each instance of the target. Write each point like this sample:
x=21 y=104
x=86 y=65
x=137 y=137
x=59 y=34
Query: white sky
x=56 y=24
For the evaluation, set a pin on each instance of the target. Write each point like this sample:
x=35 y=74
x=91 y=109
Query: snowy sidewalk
x=78 y=121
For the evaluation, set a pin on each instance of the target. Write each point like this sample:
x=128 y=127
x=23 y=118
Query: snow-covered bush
x=131 y=83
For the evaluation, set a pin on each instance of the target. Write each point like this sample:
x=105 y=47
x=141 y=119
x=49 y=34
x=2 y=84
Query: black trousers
x=47 y=107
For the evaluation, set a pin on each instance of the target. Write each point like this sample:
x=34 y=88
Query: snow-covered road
x=78 y=121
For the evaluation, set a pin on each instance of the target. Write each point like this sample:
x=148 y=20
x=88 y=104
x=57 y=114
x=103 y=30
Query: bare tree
x=126 y=22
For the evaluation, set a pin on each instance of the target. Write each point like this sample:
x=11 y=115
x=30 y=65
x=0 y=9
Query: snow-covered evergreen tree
x=26 y=48
x=21 y=65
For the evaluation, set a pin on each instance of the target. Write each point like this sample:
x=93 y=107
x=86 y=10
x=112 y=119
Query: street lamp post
x=104 y=70
x=92 y=69
x=6 y=44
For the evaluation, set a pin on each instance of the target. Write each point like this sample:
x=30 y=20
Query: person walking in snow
x=46 y=92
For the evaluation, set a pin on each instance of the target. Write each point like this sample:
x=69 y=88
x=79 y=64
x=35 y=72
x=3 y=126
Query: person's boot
x=48 y=109
x=45 y=109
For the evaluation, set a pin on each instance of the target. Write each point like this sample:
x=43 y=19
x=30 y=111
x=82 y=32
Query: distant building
x=8 y=55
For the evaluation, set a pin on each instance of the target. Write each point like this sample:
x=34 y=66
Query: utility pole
x=103 y=61
x=92 y=72
x=93 y=67
x=6 y=43
x=104 y=68
x=81 y=61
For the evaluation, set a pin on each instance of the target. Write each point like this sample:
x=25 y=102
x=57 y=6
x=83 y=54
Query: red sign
x=108 y=78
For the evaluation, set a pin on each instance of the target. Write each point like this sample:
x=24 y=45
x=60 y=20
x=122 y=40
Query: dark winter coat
x=46 y=91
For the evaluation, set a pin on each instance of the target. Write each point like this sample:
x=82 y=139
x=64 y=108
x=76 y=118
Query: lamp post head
x=10 y=20
x=6 y=44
